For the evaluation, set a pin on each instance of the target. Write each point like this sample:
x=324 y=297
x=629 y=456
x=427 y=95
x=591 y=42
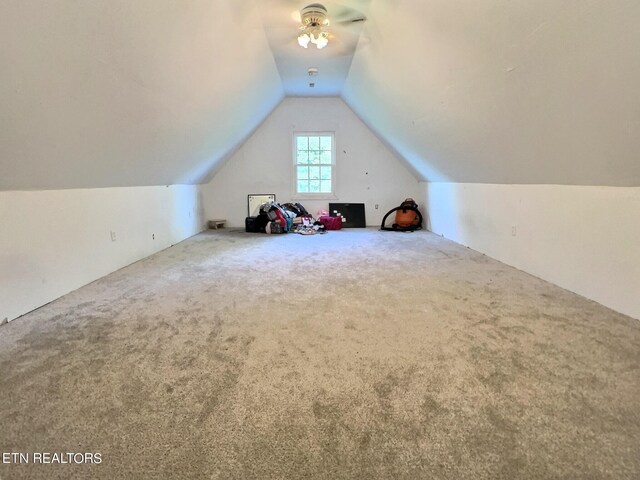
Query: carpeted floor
x=358 y=354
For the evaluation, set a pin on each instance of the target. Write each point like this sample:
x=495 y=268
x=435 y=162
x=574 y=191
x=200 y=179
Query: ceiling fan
x=315 y=24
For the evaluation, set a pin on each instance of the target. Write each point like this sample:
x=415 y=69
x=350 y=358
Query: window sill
x=314 y=196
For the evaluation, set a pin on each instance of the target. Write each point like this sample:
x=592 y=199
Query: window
x=314 y=160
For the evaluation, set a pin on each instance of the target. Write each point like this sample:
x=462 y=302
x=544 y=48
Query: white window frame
x=294 y=156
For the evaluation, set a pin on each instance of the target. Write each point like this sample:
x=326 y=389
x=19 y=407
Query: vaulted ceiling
x=153 y=92
x=503 y=91
x=128 y=92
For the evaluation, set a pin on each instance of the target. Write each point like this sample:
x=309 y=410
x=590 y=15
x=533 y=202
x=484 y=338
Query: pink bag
x=331 y=223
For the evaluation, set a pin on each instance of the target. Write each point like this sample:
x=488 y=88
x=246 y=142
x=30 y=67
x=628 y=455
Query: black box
x=352 y=214
x=251 y=225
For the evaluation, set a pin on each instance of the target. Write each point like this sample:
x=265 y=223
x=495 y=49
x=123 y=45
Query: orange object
x=406 y=218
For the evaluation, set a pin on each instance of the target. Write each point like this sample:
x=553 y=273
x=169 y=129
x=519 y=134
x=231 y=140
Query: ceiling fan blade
x=351 y=21
x=344 y=14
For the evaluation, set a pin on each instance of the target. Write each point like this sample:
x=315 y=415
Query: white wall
x=366 y=171
x=52 y=242
x=585 y=239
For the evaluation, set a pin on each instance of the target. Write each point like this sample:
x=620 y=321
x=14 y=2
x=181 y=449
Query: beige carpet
x=356 y=354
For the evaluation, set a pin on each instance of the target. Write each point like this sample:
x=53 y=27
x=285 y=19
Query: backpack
x=260 y=222
x=302 y=210
x=275 y=213
x=273 y=227
x=296 y=208
x=291 y=207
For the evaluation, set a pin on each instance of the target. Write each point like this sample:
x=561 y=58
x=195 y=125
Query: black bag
x=296 y=208
x=291 y=207
x=256 y=224
x=302 y=210
x=251 y=225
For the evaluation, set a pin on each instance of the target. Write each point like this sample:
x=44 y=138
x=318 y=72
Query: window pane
x=325 y=173
x=314 y=143
x=314 y=173
x=314 y=186
x=303 y=157
x=303 y=173
x=325 y=157
x=302 y=143
x=325 y=186
x=314 y=157
x=325 y=143
x=314 y=163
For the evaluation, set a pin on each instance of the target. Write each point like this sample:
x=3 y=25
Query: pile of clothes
x=308 y=227
x=284 y=218
x=274 y=217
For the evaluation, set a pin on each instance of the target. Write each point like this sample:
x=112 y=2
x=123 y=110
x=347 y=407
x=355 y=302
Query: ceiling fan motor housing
x=314 y=15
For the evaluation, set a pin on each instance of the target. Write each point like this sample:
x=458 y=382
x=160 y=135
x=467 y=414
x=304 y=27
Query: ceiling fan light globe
x=303 y=40
x=322 y=40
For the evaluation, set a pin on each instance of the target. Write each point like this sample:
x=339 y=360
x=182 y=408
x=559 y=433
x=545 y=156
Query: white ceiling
x=152 y=92
x=281 y=19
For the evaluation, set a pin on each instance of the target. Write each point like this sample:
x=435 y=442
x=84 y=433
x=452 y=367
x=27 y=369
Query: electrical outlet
x=376 y=206
x=514 y=230
x=113 y=236
x=153 y=236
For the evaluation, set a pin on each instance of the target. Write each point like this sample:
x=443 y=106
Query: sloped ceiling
x=118 y=93
x=503 y=91
x=151 y=92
